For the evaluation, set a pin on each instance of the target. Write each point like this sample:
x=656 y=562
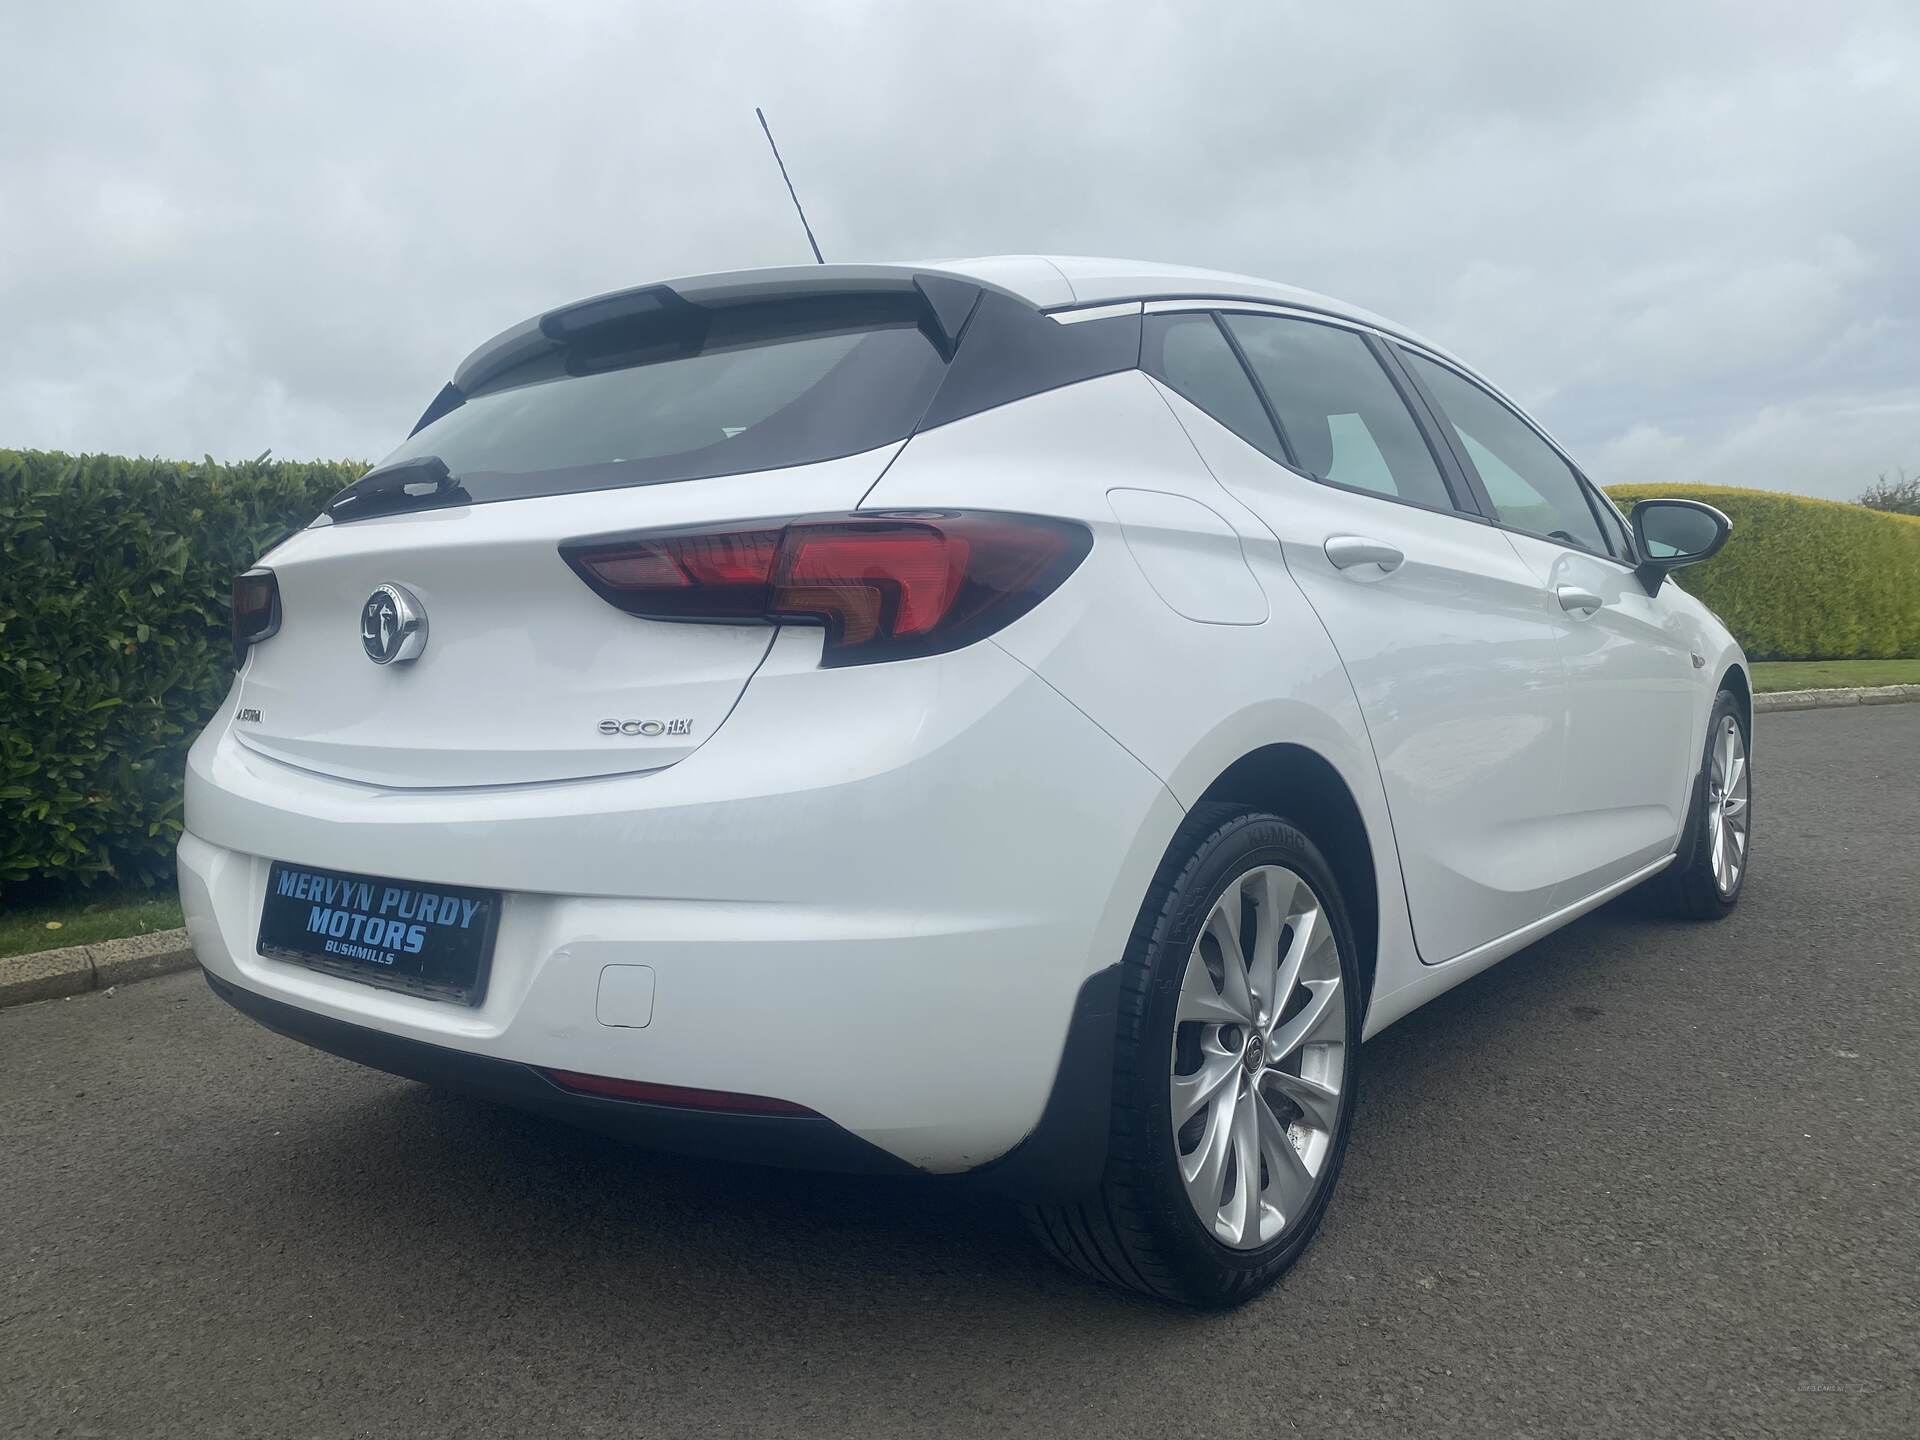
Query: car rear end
x=598 y=751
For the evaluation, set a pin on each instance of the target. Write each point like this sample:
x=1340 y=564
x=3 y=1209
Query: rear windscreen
x=717 y=392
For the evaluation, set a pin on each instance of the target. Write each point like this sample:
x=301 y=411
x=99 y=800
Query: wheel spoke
x=1191 y=1092
x=1241 y=1214
x=1270 y=922
x=1224 y=925
x=1325 y=1009
x=1310 y=934
x=1206 y=1166
x=1319 y=1104
x=1200 y=1000
x=1288 y=1178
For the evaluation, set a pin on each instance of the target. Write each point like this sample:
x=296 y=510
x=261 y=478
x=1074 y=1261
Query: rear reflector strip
x=683 y=1096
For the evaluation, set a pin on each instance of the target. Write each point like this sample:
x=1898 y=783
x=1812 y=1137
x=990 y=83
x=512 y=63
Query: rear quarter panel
x=1187 y=697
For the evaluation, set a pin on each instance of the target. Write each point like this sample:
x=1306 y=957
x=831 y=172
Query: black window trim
x=1181 y=302
x=1601 y=501
x=1290 y=460
x=1155 y=373
x=1220 y=309
x=1430 y=411
x=1466 y=499
x=1472 y=475
x=1461 y=480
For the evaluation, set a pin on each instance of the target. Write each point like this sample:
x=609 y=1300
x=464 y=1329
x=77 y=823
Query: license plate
x=430 y=940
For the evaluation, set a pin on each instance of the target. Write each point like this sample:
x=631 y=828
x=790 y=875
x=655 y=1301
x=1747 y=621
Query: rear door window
x=1531 y=487
x=1339 y=412
x=1188 y=353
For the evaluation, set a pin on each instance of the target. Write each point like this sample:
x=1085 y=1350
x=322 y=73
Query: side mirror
x=1672 y=533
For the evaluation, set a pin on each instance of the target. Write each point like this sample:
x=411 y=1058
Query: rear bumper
x=881 y=894
x=805 y=1142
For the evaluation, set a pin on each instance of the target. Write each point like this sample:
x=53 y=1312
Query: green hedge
x=1806 y=579
x=114 y=586
x=114 y=578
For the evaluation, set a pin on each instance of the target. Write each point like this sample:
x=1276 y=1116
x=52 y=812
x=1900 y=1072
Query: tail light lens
x=256 y=610
x=885 y=584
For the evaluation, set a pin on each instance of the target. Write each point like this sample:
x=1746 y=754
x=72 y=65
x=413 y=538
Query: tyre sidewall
x=1241 y=845
x=1699 y=876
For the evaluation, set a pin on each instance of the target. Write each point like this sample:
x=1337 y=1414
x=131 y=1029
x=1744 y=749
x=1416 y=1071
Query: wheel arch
x=1066 y=1152
x=1301 y=785
x=1740 y=684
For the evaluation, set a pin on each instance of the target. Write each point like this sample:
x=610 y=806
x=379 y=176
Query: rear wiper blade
x=422 y=483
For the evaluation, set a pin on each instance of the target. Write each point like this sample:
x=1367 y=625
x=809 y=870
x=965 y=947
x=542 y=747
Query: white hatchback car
x=1027 y=717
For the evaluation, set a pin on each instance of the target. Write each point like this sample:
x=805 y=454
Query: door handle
x=1576 y=601
x=1347 y=551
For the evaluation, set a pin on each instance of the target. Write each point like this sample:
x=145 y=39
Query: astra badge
x=393 y=626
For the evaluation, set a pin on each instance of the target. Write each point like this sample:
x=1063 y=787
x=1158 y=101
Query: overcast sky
x=1684 y=233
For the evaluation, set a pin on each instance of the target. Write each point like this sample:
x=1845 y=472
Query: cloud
x=1832 y=447
x=1679 y=230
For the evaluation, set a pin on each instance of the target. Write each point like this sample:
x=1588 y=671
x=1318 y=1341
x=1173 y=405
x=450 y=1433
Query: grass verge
x=85 y=920
x=1775 y=675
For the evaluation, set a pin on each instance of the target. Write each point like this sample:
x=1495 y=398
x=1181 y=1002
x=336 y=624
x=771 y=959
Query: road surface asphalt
x=1645 y=1178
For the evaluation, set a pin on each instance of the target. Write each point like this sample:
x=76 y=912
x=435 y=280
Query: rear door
x=1632 y=681
x=1442 y=628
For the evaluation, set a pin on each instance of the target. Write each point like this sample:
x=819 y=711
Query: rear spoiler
x=946 y=301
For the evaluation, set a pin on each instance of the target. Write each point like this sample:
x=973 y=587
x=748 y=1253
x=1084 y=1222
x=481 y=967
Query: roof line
x=1066 y=279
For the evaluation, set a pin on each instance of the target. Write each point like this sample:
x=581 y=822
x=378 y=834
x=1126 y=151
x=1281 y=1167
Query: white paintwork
x=1065 y=284
x=1034 y=278
x=837 y=901
x=1187 y=553
x=1455 y=665
x=877 y=890
x=1432 y=980
x=523 y=660
x=625 y=1000
x=1632 y=689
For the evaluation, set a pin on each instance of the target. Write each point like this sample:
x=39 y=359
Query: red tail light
x=256 y=610
x=885 y=584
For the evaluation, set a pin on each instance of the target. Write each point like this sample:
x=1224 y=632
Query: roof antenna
x=784 y=176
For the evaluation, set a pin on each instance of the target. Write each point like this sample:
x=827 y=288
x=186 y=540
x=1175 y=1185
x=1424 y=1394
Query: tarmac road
x=1644 y=1178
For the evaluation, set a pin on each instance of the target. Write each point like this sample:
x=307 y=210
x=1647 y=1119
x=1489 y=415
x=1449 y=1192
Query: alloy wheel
x=1259 y=1058
x=1728 y=816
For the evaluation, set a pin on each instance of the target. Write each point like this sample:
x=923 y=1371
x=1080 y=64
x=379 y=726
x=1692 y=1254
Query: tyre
x=1705 y=882
x=1235 y=1060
